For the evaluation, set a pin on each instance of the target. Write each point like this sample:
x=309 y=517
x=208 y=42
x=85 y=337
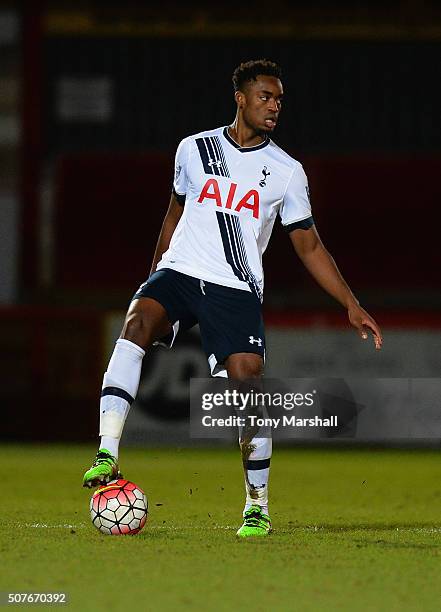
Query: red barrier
x=54 y=360
x=377 y=216
x=51 y=374
x=108 y=213
x=386 y=319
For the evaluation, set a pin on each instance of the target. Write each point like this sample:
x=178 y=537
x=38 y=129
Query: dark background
x=89 y=187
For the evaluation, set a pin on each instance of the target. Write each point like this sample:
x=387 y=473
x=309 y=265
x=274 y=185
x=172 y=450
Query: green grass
x=353 y=530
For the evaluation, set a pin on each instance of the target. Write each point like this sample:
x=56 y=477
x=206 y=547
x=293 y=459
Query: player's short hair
x=248 y=71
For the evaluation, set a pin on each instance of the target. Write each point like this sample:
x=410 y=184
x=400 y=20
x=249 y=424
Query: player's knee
x=136 y=330
x=244 y=366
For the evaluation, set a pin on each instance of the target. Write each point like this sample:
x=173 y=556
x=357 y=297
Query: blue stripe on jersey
x=203 y=152
x=227 y=245
x=234 y=249
x=243 y=254
x=232 y=235
x=220 y=152
x=213 y=160
x=212 y=156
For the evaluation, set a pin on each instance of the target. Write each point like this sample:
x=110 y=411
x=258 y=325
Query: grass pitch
x=353 y=530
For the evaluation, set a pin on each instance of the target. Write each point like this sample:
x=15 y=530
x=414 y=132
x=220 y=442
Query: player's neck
x=243 y=135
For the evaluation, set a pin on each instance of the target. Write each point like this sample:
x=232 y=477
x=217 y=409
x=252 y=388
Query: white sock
x=248 y=506
x=110 y=444
x=257 y=474
x=120 y=386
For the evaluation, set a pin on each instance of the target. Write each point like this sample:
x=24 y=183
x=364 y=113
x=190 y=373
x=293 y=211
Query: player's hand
x=363 y=322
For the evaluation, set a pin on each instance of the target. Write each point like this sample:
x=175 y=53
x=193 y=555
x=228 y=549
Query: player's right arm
x=177 y=202
x=171 y=220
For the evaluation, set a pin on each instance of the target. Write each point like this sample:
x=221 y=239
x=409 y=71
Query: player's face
x=261 y=103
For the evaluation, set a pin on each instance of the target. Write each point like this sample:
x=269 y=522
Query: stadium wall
x=120 y=92
x=369 y=389
x=54 y=359
x=104 y=212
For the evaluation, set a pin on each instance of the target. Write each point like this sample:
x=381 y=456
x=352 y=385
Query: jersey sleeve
x=181 y=176
x=295 y=210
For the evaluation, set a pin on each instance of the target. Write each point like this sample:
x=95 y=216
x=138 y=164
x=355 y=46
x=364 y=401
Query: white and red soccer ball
x=119 y=508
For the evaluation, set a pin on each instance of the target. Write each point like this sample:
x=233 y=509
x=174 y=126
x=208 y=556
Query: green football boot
x=104 y=469
x=255 y=523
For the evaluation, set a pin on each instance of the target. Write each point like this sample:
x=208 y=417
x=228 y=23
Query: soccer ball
x=119 y=508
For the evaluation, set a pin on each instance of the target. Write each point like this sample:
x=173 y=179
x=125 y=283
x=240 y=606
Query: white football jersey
x=232 y=197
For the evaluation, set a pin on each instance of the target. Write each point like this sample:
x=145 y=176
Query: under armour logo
x=214 y=162
x=257 y=341
x=265 y=173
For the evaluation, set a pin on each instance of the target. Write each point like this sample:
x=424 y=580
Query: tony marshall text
x=253 y=420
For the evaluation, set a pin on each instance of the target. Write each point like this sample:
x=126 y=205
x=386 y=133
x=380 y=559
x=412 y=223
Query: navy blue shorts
x=230 y=320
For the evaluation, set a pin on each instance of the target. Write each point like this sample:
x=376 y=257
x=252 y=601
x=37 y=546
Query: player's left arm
x=323 y=268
